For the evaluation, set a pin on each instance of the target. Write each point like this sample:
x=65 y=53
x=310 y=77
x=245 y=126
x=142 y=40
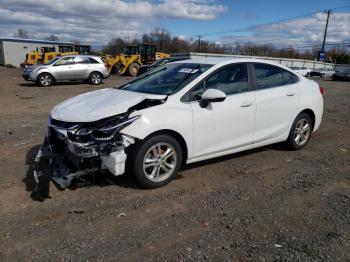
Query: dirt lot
x=262 y=205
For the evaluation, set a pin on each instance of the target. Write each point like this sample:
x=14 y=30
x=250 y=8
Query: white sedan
x=183 y=112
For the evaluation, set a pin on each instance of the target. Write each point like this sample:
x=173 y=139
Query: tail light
x=321 y=90
x=106 y=66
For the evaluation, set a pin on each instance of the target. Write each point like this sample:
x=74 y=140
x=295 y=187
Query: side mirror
x=212 y=95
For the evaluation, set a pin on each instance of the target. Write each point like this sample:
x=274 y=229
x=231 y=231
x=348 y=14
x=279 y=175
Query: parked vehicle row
x=342 y=76
x=94 y=69
x=182 y=112
x=322 y=73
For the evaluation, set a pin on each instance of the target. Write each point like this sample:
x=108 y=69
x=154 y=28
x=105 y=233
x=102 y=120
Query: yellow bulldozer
x=48 y=53
x=132 y=57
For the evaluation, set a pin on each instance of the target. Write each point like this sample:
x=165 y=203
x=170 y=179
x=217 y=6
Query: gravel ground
x=268 y=204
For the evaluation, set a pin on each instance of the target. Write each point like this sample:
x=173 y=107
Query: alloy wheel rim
x=45 y=80
x=159 y=162
x=302 y=132
x=96 y=78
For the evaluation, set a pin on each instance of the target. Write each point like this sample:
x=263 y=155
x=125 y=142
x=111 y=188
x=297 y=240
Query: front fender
x=177 y=119
x=34 y=75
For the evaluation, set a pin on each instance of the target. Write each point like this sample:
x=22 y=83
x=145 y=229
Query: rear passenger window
x=231 y=79
x=82 y=60
x=289 y=77
x=267 y=76
x=93 y=61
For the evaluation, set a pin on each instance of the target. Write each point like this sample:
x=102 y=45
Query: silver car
x=68 y=68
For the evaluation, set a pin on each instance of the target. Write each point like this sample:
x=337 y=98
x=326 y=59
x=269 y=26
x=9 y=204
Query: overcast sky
x=95 y=22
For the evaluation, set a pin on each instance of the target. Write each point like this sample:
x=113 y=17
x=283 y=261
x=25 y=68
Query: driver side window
x=231 y=79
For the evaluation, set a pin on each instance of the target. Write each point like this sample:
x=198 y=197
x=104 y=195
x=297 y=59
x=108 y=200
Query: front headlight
x=101 y=130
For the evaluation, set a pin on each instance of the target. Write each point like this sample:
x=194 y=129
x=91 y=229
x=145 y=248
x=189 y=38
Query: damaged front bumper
x=73 y=150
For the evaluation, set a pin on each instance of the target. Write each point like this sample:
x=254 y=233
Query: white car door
x=225 y=125
x=276 y=101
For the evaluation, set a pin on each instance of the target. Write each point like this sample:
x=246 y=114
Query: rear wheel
x=133 y=69
x=300 y=132
x=95 y=78
x=45 y=79
x=157 y=160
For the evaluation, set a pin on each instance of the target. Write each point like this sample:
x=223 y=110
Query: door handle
x=290 y=93
x=246 y=104
x=69 y=67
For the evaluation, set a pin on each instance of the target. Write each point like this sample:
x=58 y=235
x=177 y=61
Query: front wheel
x=300 y=132
x=95 y=78
x=157 y=160
x=133 y=69
x=45 y=79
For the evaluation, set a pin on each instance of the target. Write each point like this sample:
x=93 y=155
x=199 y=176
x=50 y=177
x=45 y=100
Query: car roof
x=205 y=60
x=228 y=60
x=93 y=56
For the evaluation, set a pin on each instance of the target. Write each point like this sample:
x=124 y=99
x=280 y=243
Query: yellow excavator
x=132 y=57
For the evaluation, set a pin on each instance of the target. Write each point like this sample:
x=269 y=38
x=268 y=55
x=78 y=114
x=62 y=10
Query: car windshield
x=166 y=80
x=52 y=61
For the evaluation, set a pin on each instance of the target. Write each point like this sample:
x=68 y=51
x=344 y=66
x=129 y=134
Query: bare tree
x=114 y=46
x=21 y=33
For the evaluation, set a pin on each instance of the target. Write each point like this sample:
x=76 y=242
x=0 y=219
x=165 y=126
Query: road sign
x=322 y=55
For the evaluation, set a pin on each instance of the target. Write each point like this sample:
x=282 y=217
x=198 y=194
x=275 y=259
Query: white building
x=13 y=50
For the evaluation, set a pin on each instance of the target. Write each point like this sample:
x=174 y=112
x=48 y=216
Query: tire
x=95 y=78
x=45 y=79
x=147 y=161
x=133 y=69
x=300 y=132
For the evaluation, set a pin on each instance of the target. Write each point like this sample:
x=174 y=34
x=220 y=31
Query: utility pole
x=328 y=12
x=326 y=28
x=199 y=42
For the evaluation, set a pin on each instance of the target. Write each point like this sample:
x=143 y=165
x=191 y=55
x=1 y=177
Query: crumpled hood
x=98 y=104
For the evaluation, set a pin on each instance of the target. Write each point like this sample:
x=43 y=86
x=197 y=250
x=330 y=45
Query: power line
x=341 y=7
x=269 y=23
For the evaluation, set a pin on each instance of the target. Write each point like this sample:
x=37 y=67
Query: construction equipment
x=48 y=53
x=132 y=58
x=82 y=49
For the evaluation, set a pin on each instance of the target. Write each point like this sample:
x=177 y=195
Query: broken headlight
x=101 y=130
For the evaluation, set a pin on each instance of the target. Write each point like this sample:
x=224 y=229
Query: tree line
x=173 y=44
x=167 y=43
